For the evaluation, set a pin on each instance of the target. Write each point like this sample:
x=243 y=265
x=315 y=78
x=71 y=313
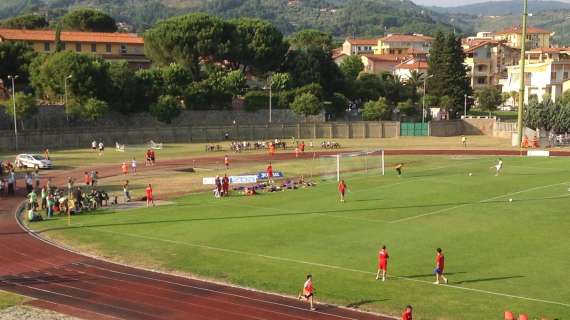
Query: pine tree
x=446 y=65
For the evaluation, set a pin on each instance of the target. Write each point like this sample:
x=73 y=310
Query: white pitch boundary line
x=472 y=203
x=239 y=252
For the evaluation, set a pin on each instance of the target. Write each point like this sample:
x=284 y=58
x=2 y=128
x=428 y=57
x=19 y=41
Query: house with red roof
x=110 y=46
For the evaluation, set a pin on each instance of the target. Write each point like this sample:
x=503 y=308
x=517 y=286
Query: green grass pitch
x=500 y=255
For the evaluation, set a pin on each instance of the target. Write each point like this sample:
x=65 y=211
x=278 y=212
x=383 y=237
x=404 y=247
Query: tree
x=307 y=104
x=15 y=59
x=89 y=76
x=26 y=106
x=515 y=97
x=338 y=103
x=94 y=109
x=314 y=66
x=311 y=38
x=377 y=110
x=351 y=67
x=28 y=21
x=488 y=98
x=368 y=87
x=446 y=102
x=59 y=45
x=446 y=64
x=235 y=83
x=166 y=108
x=431 y=100
x=406 y=107
x=89 y=20
x=187 y=40
x=127 y=93
x=280 y=81
x=257 y=44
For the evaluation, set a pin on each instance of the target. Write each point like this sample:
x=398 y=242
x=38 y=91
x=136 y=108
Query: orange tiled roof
x=386 y=57
x=416 y=65
x=70 y=36
x=518 y=30
x=369 y=42
x=481 y=44
x=406 y=37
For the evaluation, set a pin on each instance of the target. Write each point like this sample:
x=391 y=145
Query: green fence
x=411 y=129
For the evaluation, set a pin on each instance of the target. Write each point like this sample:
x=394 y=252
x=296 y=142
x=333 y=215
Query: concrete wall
x=472 y=126
x=35 y=140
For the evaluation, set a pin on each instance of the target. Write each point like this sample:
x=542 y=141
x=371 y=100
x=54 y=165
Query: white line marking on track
x=212 y=290
x=239 y=252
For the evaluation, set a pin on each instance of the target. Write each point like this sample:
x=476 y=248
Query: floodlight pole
x=13 y=78
x=424 y=99
x=522 y=75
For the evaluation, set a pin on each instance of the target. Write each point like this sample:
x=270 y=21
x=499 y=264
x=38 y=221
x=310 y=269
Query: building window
x=47 y=47
x=565 y=75
x=481 y=80
x=481 y=67
x=108 y=48
x=124 y=49
x=93 y=47
x=78 y=47
x=553 y=76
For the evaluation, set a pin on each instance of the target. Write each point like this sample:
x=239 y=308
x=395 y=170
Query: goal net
x=341 y=165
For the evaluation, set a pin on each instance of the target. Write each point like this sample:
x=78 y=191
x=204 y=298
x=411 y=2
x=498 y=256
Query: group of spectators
x=52 y=199
x=7 y=178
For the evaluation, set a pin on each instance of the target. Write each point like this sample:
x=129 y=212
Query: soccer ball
x=470 y=174
x=511 y=200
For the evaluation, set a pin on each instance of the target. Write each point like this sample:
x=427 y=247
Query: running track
x=88 y=288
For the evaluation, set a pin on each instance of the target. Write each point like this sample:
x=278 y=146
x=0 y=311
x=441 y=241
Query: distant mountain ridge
x=341 y=18
x=503 y=8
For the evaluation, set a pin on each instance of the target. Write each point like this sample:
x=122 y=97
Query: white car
x=32 y=161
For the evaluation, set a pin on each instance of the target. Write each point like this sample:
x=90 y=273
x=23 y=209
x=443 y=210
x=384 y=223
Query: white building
x=546 y=72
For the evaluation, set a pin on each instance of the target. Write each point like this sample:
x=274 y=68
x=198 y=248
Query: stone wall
x=35 y=140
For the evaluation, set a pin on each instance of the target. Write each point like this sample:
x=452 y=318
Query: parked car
x=32 y=161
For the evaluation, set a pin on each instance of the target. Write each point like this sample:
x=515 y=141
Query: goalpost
x=337 y=166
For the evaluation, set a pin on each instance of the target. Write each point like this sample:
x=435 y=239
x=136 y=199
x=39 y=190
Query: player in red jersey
x=382 y=263
x=149 y=198
x=307 y=293
x=407 y=315
x=341 y=190
x=439 y=267
x=269 y=172
x=227 y=162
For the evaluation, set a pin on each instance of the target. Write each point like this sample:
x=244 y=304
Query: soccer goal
x=338 y=166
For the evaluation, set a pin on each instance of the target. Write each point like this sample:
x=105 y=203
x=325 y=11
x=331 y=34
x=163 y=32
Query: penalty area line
x=316 y=264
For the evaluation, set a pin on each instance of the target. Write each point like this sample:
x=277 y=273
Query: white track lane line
x=212 y=290
x=239 y=252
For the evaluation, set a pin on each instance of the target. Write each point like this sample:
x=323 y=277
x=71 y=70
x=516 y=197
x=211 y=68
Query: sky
x=453 y=3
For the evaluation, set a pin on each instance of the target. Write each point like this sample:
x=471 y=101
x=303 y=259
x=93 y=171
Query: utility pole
x=522 y=74
x=65 y=93
x=424 y=99
x=13 y=78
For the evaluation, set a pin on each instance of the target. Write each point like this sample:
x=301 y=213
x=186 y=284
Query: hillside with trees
x=340 y=18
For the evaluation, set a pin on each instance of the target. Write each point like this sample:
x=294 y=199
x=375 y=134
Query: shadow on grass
x=430 y=275
x=360 y=303
x=488 y=279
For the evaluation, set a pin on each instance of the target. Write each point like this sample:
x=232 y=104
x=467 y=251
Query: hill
x=503 y=8
x=339 y=17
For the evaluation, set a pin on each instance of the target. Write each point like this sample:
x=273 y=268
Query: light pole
x=424 y=99
x=65 y=93
x=522 y=77
x=465 y=105
x=13 y=78
x=270 y=95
